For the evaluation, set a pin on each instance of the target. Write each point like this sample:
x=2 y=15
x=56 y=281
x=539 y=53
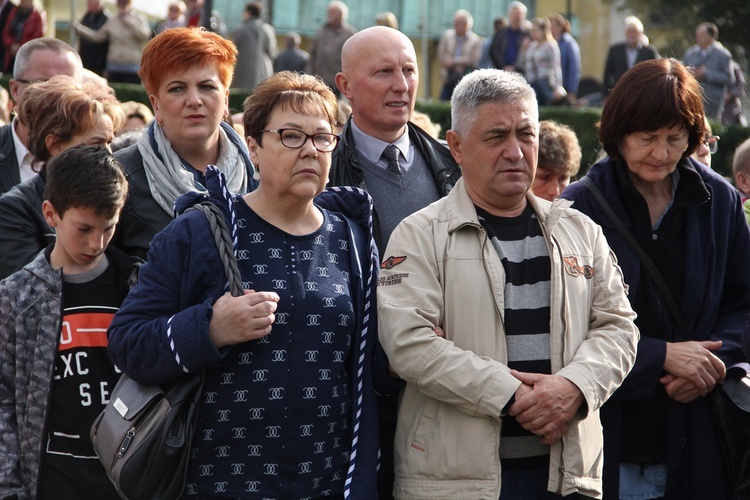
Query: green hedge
x=582 y=120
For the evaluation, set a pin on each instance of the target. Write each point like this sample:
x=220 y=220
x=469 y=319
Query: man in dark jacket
x=94 y=55
x=421 y=170
x=625 y=55
x=36 y=61
x=509 y=41
x=399 y=164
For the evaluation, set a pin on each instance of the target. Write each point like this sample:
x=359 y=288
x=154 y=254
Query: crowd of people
x=422 y=317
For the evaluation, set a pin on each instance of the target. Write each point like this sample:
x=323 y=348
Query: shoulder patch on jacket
x=392 y=262
x=573 y=269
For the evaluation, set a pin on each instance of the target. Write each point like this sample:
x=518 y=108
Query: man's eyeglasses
x=712 y=143
x=29 y=82
x=295 y=139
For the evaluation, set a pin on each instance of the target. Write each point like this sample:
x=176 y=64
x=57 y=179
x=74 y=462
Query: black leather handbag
x=143 y=435
x=729 y=405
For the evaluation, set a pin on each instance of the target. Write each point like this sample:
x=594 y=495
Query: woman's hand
x=694 y=362
x=239 y=319
x=680 y=389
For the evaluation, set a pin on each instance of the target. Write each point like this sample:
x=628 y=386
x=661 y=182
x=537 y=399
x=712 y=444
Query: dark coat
x=23 y=228
x=94 y=55
x=715 y=305
x=499 y=42
x=10 y=175
x=617 y=63
x=142 y=217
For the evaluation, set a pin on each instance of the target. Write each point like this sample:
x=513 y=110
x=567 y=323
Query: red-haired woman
x=187 y=73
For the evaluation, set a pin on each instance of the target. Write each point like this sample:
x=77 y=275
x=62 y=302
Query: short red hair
x=178 y=49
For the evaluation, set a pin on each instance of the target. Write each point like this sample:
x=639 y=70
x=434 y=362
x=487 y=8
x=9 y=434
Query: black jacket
x=497 y=48
x=9 y=173
x=94 y=55
x=346 y=170
x=24 y=230
x=617 y=63
x=141 y=217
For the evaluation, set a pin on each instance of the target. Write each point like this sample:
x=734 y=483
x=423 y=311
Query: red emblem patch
x=392 y=262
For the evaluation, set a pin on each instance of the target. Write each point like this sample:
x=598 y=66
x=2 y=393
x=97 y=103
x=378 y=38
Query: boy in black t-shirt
x=55 y=373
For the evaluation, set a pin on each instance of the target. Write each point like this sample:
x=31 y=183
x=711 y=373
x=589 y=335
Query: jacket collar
x=461 y=211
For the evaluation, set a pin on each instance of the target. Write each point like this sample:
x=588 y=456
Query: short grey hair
x=518 y=5
x=633 y=22
x=342 y=7
x=483 y=86
x=46 y=43
x=465 y=14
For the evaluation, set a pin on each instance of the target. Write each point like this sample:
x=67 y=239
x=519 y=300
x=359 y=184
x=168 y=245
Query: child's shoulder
x=30 y=285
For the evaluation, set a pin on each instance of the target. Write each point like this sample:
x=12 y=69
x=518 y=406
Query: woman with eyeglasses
x=290 y=409
x=659 y=439
x=708 y=146
x=186 y=73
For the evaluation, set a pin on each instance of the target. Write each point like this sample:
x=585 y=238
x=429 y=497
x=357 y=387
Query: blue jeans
x=647 y=484
x=528 y=483
x=543 y=92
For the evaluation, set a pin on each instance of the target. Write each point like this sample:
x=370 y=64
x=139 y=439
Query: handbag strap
x=642 y=255
x=224 y=243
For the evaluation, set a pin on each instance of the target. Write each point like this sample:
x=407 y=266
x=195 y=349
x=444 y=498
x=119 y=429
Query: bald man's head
x=379 y=76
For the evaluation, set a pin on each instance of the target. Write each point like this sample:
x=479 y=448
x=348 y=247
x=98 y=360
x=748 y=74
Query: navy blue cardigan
x=183 y=277
x=715 y=304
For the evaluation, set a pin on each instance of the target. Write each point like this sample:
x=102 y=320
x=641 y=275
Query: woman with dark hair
x=658 y=434
x=187 y=73
x=289 y=408
x=60 y=113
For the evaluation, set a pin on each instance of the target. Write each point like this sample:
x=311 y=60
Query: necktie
x=391 y=154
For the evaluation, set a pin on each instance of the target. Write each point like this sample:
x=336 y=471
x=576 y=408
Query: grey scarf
x=168 y=179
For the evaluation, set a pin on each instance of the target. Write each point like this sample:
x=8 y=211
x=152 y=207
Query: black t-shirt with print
x=83 y=379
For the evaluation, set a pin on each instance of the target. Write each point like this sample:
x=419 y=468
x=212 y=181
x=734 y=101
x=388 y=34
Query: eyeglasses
x=712 y=143
x=295 y=139
x=29 y=82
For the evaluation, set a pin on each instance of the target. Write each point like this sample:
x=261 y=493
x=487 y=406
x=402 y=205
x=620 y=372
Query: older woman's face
x=100 y=133
x=289 y=173
x=190 y=105
x=652 y=156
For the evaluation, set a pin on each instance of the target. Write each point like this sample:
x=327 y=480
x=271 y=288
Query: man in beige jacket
x=538 y=328
x=459 y=51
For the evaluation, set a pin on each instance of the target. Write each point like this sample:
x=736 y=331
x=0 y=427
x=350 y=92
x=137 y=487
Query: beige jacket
x=470 y=53
x=127 y=37
x=441 y=269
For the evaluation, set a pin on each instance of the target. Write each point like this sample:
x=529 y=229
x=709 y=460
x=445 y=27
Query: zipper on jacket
x=58 y=333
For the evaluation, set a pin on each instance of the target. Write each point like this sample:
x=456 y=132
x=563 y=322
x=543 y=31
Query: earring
x=256 y=174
